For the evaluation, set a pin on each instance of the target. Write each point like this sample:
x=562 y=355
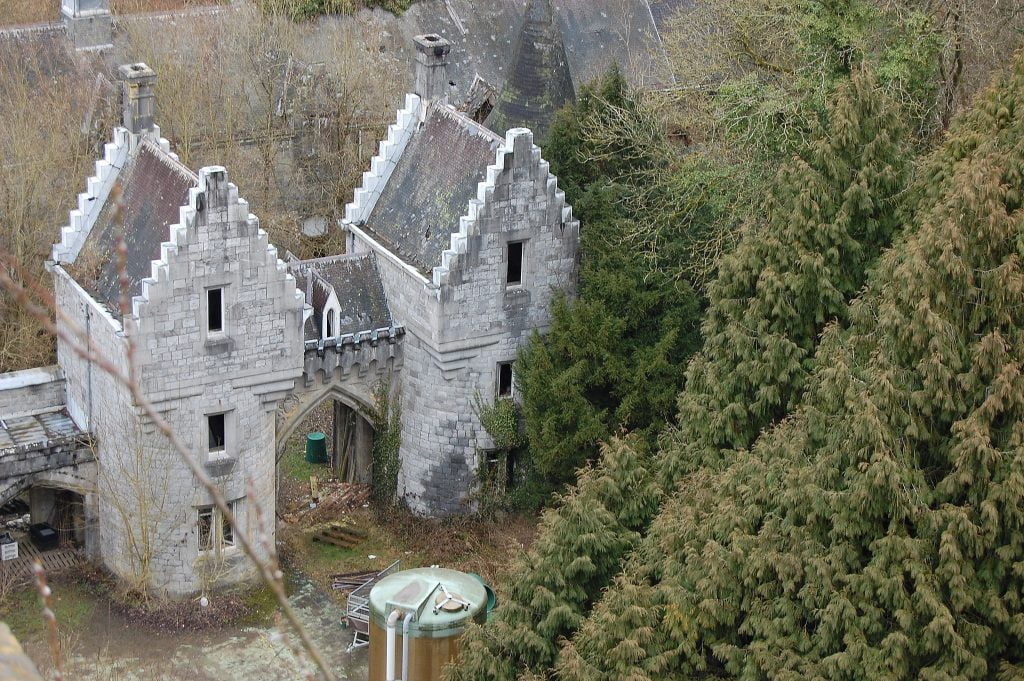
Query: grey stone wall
x=461 y=325
x=190 y=372
x=31 y=391
x=148 y=499
x=102 y=406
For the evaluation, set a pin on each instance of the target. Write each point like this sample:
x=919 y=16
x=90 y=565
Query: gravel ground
x=111 y=649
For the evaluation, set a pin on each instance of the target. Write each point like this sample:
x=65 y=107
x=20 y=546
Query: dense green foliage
x=829 y=213
x=832 y=212
x=579 y=547
x=759 y=76
x=876 y=534
x=614 y=358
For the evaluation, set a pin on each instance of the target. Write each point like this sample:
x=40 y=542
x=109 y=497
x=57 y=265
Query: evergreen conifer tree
x=877 y=533
x=830 y=213
x=579 y=547
x=614 y=358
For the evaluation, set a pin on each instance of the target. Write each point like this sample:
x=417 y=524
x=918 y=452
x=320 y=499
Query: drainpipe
x=405 y=645
x=389 y=673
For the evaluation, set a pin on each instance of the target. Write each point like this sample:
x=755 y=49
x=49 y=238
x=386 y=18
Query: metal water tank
x=438 y=605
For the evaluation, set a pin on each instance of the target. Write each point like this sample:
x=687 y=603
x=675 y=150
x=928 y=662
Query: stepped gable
x=540 y=82
x=152 y=186
x=355 y=281
x=431 y=185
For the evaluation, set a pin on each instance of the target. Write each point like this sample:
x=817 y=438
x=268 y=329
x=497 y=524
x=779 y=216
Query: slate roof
x=485 y=36
x=39 y=431
x=430 y=188
x=356 y=282
x=152 y=187
x=541 y=82
x=598 y=33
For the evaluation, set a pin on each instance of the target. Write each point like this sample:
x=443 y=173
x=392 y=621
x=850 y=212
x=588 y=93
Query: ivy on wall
x=387 y=424
x=498 y=471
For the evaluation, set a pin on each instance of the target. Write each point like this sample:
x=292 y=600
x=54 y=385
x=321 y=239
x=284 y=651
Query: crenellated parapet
x=353 y=354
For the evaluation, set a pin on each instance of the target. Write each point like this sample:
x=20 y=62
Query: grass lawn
x=294 y=465
x=72 y=603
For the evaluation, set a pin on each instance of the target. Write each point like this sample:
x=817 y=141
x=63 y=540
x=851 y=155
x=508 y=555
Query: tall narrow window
x=215 y=428
x=329 y=331
x=227 y=538
x=514 y=271
x=206 y=528
x=215 y=310
x=505 y=379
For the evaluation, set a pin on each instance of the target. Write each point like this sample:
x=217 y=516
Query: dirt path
x=111 y=649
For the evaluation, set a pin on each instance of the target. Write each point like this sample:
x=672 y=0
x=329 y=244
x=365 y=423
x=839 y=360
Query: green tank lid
x=443 y=601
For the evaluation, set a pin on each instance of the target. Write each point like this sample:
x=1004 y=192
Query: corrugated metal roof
x=38 y=431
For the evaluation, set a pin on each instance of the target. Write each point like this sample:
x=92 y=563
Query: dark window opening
x=205 y=529
x=505 y=379
x=514 y=274
x=214 y=529
x=485 y=109
x=510 y=469
x=226 y=536
x=215 y=426
x=330 y=324
x=215 y=309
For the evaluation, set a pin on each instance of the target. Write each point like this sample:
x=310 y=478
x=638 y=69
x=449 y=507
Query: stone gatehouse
x=456 y=242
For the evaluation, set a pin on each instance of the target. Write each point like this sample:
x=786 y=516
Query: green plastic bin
x=316 y=448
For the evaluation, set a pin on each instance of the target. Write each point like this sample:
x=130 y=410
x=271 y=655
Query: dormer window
x=514 y=264
x=329 y=325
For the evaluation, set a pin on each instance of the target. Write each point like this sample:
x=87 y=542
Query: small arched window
x=329 y=330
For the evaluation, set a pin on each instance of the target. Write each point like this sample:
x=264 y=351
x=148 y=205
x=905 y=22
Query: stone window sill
x=218 y=464
x=219 y=342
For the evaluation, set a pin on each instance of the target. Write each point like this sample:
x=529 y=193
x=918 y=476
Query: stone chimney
x=88 y=23
x=432 y=68
x=138 y=99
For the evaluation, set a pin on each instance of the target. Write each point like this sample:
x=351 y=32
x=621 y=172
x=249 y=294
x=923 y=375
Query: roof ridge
x=330 y=259
x=170 y=159
x=468 y=122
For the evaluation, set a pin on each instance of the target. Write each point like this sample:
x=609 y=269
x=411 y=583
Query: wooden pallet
x=54 y=561
x=339 y=535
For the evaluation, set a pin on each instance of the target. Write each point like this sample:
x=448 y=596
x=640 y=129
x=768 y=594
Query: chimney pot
x=432 y=68
x=138 y=97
